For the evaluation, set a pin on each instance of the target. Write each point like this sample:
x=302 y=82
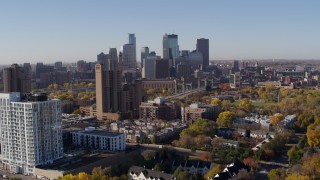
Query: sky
x=48 y=31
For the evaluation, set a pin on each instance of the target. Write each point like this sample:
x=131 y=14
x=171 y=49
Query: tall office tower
x=148 y=70
x=162 y=69
x=129 y=56
x=203 y=47
x=30 y=130
x=132 y=39
x=16 y=80
x=235 y=66
x=144 y=54
x=170 y=48
x=108 y=86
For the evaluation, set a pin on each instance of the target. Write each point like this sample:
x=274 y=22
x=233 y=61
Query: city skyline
x=37 y=31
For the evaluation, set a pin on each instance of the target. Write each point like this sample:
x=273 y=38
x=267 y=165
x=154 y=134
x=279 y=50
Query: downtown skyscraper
x=203 y=47
x=170 y=48
x=129 y=53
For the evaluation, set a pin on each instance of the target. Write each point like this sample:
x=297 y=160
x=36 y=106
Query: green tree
x=180 y=174
x=275 y=174
x=225 y=119
x=295 y=154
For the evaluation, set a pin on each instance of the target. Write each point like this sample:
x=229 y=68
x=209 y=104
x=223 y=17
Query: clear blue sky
x=70 y=30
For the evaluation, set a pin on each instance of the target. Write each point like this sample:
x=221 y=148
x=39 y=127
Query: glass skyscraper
x=170 y=48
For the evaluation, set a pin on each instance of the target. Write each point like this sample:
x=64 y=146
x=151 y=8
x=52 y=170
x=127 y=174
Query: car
x=5 y=177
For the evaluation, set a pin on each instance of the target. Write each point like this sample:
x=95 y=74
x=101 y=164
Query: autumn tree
x=82 y=176
x=296 y=176
x=217 y=168
x=216 y=101
x=275 y=174
x=225 y=105
x=98 y=174
x=313 y=134
x=205 y=156
x=246 y=104
x=311 y=165
x=225 y=119
x=276 y=119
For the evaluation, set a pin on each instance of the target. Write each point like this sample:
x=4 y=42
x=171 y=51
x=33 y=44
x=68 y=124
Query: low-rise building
x=160 y=108
x=99 y=139
x=140 y=173
x=193 y=166
x=195 y=111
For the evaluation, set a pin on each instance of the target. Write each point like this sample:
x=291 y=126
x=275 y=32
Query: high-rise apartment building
x=170 y=48
x=203 y=47
x=31 y=134
x=144 y=54
x=112 y=94
x=108 y=85
x=16 y=80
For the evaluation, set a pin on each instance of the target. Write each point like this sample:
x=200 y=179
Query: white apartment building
x=99 y=139
x=30 y=129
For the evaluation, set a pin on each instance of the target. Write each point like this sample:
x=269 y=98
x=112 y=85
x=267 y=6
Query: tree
x=153 y=139
x=246 y=104
x=216 y=101
x=82 y=176
x=225 y=105
x=148 y=154
x=157 y=167
x=212 y=172
x=98 y=174
x=311 y=165
x=276 y=119
x=67 y=177
x=180 y=174
x=313 y=134
x=205 y=156
x=295 y=154
x=275 y=174
x=251 y=162
x=296 y=176
x=225 y=119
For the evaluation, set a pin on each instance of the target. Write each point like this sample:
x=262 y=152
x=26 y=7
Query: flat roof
x=101 y=133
